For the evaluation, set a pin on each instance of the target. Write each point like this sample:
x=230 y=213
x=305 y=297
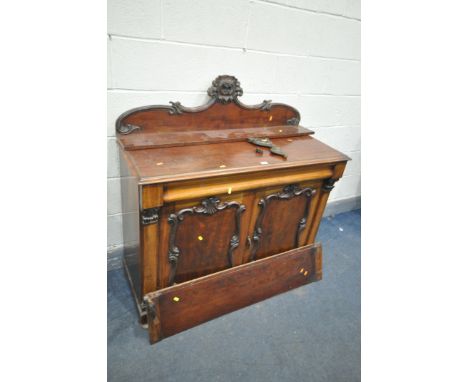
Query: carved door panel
x=203 y=238
x=282 y=219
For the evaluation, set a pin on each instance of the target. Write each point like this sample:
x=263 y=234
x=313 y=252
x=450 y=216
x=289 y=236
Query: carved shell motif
x=210 y=206
x=225 y=89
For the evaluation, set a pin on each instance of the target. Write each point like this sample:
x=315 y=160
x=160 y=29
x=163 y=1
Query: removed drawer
x=183 y=306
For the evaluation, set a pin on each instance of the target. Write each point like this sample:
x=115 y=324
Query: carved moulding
x=288 y=192
x=177 y=108
x=293 y=121
x=328 y=184
x=210 y=207
x=150 y=308
x=127 y=128
x=224 y=89
x=150 y=216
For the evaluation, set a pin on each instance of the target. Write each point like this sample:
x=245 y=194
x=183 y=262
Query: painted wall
x=304 y=53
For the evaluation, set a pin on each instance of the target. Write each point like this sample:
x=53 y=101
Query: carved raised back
x=222 y=111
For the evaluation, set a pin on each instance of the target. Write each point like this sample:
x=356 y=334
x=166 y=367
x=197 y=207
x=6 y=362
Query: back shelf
x=140 y=140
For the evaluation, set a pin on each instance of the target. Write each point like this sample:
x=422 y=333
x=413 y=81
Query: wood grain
x=186 y=305
x=221 y=185
x=322 y=199
x=203 y=242
x=152 y=195
x=140 y=141
x=173 y=164
x=148 y=266
x=279 y=223
x=217 y=116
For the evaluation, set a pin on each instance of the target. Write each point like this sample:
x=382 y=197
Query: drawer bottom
x=183 y=306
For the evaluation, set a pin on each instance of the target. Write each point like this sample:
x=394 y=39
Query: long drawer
x=180 y=307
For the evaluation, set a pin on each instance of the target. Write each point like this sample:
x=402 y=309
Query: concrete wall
x=304 y=53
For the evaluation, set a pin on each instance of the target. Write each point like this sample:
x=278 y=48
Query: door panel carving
x=203 y=238
x=282 y=218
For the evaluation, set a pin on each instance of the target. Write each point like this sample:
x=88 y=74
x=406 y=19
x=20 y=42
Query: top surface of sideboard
x=199 y=161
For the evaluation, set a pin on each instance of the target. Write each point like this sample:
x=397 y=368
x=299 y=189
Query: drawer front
x=180 y=307
x=202 y=188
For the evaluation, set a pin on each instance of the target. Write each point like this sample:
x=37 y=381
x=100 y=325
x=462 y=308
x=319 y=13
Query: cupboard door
x=202 y=238
x=281 y=220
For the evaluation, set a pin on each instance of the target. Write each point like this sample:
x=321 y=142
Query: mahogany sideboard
x=221 y=205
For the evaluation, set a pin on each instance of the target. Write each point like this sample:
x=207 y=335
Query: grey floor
x=309 y=334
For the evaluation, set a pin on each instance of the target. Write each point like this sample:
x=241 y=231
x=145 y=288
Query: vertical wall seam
x=109 y=57
x=161 y=18
x=246 y=34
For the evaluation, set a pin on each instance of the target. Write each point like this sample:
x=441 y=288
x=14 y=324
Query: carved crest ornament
x=225 y=89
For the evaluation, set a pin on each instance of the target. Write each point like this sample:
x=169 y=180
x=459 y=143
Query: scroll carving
x=149 y=307
x=225 y=89
x=149 y=216
x=287 y=193
x=328 y=184
x=176 y=108
x=293 y=121
x=127 y=128
x=209 y=207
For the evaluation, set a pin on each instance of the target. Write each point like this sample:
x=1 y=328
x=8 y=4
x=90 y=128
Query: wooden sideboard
x=221 y=205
